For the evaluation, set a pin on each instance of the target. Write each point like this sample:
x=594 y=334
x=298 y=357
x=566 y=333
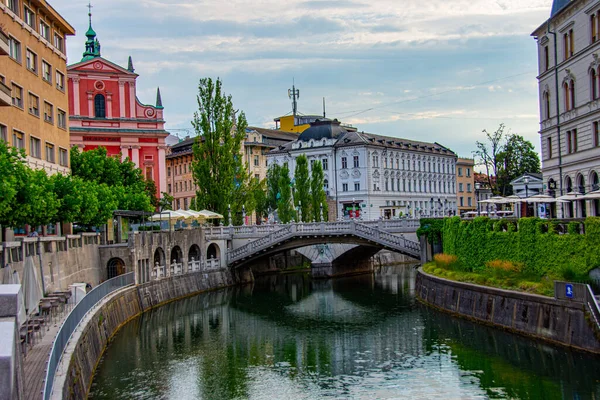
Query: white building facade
x=371 y=176
x=569 y=96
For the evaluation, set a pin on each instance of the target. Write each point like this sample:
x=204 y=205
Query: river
x=362 y=337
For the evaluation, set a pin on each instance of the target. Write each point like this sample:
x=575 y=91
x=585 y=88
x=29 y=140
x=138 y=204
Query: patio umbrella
x=191 y=214
x=495 y=200
x=513 y=198
x=592 y=195
x=210 y=214
x=10 y=276
x=32 y=286
x=544 y=198
x=571 y=196
x=168 y=215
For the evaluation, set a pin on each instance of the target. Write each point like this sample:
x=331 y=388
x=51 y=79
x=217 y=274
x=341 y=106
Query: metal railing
x=74 y=318
x=593 y=306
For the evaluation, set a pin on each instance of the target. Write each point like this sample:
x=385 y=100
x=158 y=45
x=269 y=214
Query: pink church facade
x=104 y=111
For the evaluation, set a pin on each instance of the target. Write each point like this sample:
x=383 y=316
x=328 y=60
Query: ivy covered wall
x=541 y=245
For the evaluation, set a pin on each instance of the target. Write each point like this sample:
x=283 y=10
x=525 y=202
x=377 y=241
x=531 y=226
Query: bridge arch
x=159 y=256
x=115 y=267
x=213 y=251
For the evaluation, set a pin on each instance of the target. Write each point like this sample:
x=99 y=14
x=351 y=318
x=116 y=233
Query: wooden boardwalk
x=36 y=360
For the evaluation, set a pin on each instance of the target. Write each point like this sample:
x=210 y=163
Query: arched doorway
x=213 y=251
x=194 y=258
x=581 y=209
x=115 y=267
x=175 y=260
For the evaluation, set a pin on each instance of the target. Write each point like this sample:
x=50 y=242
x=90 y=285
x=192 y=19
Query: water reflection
x=363 y=337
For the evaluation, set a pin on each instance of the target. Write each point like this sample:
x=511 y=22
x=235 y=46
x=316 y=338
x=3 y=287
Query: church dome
x=322 y=129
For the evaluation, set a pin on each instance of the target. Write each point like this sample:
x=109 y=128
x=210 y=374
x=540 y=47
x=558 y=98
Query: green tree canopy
x=302 y=196
x=273 y=175
x=317 y=189
x=14 y=171
x=218 y=168
x=285 y=209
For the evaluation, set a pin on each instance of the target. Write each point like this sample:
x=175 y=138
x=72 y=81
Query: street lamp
x=300 y=211
x=353 y=208
x=431 y=207
x=477 y=187
x=229 y=211
x=446 y=206
x=321 y=213
x=526 y=182
x=243 y=215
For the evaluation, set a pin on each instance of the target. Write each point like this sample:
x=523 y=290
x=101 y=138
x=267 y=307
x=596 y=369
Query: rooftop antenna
x=324 y=114
x=294 y=94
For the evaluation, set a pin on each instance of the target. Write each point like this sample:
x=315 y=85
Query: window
x=59 y=42
x=28 y=17
x=356 y=186
x=46 y=72
x=18 y=139
x=594 y=28
x=460 y=187
x=35 y=147
x=34 y=105
x=462 y=202
x=546 y=59
x=44 y=30
x=549 y=144
x=17 y=96
x=546 y=105
x=63 y=157
x=568 y=44
x=50 y=154
x=13 y=5
x=14 y=49
x=169 y=171
x=569 y=92
x=459 y=171
x=356 y=162
x=572 y=141
x=344 y=187
x=169 y=188
x=256 y=161
x=344 y=163
x=99 y=106
x=470 y=201
x=596 y=135
x=60 y=81
x=468 y=172
x=325 y=163
x=468 y=188
x=48 y=112
x=31 y=61
x=61 y=117
x=3 y=133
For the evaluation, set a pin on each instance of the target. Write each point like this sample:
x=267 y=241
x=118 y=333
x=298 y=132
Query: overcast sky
x=437 y=70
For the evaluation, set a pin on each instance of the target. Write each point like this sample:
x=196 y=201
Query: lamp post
x=243 y=215
x=477 y=187
x=300 y=211
x=446 y=206
x=229 y=211
x=353 y=208
x=431 y=207
x=526 y=182
x=321 y=213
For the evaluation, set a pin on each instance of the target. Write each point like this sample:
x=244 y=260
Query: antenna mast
x=294 y=94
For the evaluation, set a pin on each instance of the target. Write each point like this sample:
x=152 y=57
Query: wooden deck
x=34 y=363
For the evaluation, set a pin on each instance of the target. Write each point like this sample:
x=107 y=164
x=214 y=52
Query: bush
x=445 y=261
x=505 y=266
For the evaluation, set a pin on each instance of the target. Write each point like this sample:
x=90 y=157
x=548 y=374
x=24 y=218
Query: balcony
x=4 y=49
x=5 y=95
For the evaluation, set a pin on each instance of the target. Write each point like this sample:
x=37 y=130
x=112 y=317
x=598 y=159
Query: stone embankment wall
x=558 y=321
x=89 y=341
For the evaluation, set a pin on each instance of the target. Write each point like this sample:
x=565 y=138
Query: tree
x=317 y=189
x=218 y=168
x=43 y=202
x=488 y=153
x=259 y=194
x=517 y=158
x=273 y=192
x=302 y=196
x=166 y=202
x=14 y=171
x=285 y=209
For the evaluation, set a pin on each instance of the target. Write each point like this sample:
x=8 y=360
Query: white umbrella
x=592 y=195
x=543 y=198
x=190 y=214
x=571 y=196
x=168 y=215
x=495 y=200
x=210 y=214
x=32 y=287
x=513 y=198
x=10 y=276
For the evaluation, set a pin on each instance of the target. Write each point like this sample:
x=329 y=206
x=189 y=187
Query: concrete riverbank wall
x=559 y=321
x=89 y=341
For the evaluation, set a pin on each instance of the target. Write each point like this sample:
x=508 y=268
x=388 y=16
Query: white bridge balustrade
x=193 y=265
x=372 y=232
x=158 y=271
x=213 y=263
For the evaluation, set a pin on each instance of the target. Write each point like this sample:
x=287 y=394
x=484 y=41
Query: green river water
x=363 y=337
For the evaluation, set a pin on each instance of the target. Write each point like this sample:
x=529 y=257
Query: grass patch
x=500 y=274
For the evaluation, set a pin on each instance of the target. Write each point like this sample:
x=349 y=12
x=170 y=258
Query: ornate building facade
x=465 y=185
x=33 y=92
x=569 y=97
x=105 y=111
x=372 y=176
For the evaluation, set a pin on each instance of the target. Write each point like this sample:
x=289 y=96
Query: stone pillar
x=76 y=106
x=122 y=113
x=132 y=99
x=90 y=99
x=124 y=152
x=109 y=105
x=135 y=155
x=162 y=183
x=12 y=315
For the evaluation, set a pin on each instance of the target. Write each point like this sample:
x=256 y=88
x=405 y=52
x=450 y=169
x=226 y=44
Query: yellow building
x=258 y=142
x=300 y=123
x=465 y=185
x=33 y=68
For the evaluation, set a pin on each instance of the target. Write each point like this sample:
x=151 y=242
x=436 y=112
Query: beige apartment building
x=465 y=185
x=34 y=102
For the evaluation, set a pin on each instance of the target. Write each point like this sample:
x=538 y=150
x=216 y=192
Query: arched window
x=566 y=93
x=99 y=106
x=547 y=105
x=572 y=88
x=593 y=85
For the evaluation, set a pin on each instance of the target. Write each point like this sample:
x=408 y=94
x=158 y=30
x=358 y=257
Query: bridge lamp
x=477 y=188
x=229 y=211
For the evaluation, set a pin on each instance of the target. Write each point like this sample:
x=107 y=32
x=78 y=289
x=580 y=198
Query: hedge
x=534 y=242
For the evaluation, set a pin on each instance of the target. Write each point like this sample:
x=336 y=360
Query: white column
x=135 y=155
x=76 y=107
x=90 y=104
x=162 y=184
x=108 y=105
x=132 y=99
x=124 y=152
x=122 y=99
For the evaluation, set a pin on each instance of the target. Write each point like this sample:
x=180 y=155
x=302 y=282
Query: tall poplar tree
x=317 y=191
x=273 y=175
x=218 y=168
x=285 y=210
x=302 y=188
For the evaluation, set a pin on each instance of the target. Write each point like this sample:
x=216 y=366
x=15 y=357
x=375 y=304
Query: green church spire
x=92 y=45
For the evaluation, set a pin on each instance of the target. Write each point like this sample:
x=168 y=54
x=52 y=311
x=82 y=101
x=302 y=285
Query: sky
x=436 y=71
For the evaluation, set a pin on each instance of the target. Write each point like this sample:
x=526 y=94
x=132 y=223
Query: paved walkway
x=34 y=363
